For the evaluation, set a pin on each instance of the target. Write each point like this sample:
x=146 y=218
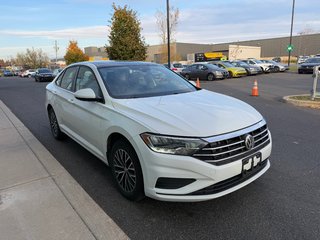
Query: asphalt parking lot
x=282 y=204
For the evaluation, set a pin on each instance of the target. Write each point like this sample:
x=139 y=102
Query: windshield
x=241 y=64
x=313 y=60
x=227 y=64
x=258 y=61
x=44 y=70
x=137 y=81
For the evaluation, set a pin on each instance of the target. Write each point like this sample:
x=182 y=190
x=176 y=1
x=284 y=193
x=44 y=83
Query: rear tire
x=187 y=76
x=126 y=170
x=230 y=74
x=54 y=125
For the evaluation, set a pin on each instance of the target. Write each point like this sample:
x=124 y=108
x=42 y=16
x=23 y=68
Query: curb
x=301 y=103
x=97 y=221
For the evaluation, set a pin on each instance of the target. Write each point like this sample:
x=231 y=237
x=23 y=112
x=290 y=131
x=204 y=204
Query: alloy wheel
x=124 y=170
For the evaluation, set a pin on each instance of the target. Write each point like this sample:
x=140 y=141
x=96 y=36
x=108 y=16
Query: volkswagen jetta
x=161 y=136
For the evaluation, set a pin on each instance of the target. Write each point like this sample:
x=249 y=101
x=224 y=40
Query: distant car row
x=40 y=74
x=227 y=69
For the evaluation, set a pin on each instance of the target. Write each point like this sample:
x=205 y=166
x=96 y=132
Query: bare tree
x=161 y=18
x=33 y=58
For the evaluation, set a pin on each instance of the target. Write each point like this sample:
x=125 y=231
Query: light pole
x=168 y=32
x=290 y=42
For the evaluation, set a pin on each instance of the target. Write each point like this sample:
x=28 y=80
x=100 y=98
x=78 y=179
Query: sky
x=38 y=24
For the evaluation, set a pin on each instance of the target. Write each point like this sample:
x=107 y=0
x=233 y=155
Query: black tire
x=54 y=125
x=230 y=74
x=210 y=77
x=126 y=170
x=187 y=77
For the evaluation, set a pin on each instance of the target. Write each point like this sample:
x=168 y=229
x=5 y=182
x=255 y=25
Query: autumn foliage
x=74 y=53
x=126 y=42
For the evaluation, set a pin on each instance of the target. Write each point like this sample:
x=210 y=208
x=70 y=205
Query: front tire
x=187 y=76
x=210 y=77
x=54 y=125
x=126 y=170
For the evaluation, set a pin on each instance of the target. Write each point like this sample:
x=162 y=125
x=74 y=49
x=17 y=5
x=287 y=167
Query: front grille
x=232 y=148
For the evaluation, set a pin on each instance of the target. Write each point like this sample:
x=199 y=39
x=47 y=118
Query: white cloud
x=70 y=33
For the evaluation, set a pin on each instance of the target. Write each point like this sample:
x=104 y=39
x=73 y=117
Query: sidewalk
x=39 y=200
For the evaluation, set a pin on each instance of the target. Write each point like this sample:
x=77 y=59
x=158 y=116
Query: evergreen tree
x=126 y=42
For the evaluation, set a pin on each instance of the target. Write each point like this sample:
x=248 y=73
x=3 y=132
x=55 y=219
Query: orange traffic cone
x=198 y=83
x=255 y=90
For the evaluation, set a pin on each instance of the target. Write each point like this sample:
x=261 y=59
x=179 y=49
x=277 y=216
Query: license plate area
x=252 y=163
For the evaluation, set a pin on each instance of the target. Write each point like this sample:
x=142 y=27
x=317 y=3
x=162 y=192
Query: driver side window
x=87 y=79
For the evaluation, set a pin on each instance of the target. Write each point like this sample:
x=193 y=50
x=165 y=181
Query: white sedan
x=161 y=136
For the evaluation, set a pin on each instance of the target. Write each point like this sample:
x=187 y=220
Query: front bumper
x=203 y=177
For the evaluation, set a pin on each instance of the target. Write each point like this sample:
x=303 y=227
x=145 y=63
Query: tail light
x=174 y=69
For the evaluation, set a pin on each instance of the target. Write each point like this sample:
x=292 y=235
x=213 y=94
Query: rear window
x=177 y=65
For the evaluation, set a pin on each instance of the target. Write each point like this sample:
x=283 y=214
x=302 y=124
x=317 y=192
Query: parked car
x=161 y=136
x=28 y=73
x=308 y=65
x=278 y=67
x=43 y=74
x=302 y=59
x=176 y=67
x=251 y=70
x=233 y=71
x=204 y=71
x=8 y=73
x=265 y=67
x=276 y=59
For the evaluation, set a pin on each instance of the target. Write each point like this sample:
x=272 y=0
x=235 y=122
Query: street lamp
x=168 y=32
x=290 y=47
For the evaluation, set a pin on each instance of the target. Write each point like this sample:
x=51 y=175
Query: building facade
x=274 y=47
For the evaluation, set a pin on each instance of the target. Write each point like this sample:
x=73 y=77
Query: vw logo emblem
x=249 y=141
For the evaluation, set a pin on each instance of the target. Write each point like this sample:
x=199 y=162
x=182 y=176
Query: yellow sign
x=213 y=54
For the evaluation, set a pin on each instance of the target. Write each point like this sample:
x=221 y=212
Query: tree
x=74 y=53
x=161 y=19
x=126 y=42
x=33 y=58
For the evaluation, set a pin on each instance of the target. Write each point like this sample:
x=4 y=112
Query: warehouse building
x=308 y=44
x=274 y=47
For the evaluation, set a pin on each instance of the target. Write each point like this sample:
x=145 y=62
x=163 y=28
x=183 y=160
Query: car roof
x=109 y=63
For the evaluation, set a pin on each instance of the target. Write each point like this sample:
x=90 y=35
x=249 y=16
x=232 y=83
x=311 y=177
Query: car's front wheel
x=187 y=76
x=210 y=77
x=126 y=170
x=54 y=125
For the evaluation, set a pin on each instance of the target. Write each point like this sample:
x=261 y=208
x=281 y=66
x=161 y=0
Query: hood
x=198 y=114
x=309 y=64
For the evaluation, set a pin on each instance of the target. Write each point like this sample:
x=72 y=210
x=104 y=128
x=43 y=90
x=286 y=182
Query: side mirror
x=87 y=94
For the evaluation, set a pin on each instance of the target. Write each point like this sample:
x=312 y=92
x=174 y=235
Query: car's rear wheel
x=54 y=125
x=126 y=170
x=210 y=77
x=230 y=74
x=187 y=76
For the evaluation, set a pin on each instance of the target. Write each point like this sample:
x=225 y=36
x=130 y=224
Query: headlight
x=172 y=145
x=218 y=73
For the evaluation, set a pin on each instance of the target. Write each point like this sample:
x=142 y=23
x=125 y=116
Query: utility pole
x=168 y=33
x=56 y=49
x=290 y=43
